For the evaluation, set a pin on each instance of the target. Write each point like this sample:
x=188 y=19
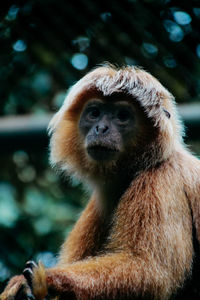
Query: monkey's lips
x=102 y=153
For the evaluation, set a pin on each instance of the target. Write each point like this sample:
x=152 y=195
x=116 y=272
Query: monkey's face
x=107 y=128
x=114 y=120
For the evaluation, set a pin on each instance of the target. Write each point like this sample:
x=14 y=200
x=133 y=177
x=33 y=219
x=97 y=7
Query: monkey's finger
x=28 y=273
x=30 y=264
x=22 y=295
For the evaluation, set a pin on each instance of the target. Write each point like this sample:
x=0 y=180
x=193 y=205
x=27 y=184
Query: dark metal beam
x=190 y=114
x=24 y=132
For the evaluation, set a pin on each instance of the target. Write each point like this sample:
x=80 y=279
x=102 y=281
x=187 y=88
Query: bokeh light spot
x=182 y=18
x=19 y=46
x=79 y=61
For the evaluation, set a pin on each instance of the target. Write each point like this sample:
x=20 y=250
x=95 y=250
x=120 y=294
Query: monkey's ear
x=167 y=113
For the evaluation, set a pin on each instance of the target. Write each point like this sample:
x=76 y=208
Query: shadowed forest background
x=46 y=46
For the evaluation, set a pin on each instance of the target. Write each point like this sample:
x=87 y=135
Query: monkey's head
x=114 y=120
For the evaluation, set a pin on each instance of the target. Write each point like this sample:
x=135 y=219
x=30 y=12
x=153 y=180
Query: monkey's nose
x=101 y=129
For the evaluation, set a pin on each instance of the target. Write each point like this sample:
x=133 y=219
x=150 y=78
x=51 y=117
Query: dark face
x=107 y=128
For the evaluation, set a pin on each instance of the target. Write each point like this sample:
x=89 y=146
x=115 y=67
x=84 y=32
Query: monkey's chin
x=102 y=153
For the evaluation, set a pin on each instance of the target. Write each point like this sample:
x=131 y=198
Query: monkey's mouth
x=101 y=153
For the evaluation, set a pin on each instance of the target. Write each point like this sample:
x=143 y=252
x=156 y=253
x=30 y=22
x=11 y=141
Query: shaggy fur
x=142 y=247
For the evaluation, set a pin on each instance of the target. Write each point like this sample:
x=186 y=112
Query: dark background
x=45 y=47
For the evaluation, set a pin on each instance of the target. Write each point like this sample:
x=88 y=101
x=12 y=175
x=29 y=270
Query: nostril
x=105 y=129
x=101 y=129
x=97 y=129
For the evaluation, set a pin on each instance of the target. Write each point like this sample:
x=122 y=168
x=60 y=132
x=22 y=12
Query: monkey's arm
x=83 y=239
x=104 y=277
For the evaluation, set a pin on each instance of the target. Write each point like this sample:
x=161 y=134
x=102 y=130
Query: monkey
x=118 y=131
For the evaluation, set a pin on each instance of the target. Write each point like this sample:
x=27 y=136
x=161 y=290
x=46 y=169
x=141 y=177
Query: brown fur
x=16 y=285
x=141 y=247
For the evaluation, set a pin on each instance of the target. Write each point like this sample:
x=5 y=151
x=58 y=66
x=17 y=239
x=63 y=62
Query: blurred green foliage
x=46 y=46
x=37 y=210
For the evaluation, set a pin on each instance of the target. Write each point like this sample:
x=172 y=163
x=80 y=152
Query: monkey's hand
x=17 y=289
x=36 y=278
x=43 y=283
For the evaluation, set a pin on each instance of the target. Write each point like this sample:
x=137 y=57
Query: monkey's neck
x=109 y=192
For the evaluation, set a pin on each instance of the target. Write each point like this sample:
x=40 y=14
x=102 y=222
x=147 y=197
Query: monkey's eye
x=93 y=113
x=123 y=115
